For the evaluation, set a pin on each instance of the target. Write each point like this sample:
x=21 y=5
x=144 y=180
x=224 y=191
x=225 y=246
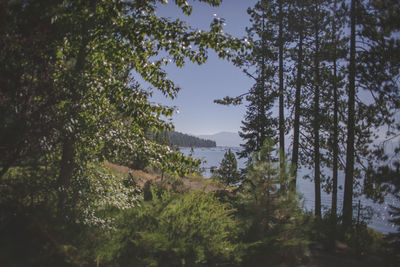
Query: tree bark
x=349 y=172
x=317 y=181
x=335 y=141
x=296 y=127
x=281 y=90
x=66 y=171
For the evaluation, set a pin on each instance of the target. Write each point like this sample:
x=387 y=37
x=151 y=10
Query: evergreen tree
x=269 y=37
x=336 y=51
x=259 y=124
x=317 y=19
x=298 y=26
x=309 y=59
x=373 y=67
x=272 y=214
x=349 y=177
x=185 y=140
x=228 y=172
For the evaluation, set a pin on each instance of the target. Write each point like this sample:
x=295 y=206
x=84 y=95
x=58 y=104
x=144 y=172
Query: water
x=379 y=221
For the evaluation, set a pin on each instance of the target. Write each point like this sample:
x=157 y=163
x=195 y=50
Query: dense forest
x=83 y=183
x=185 y=140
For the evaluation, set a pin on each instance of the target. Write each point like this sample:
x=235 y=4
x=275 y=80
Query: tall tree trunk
x=349 y=173
x=281 y=91
x=316 y=123
x=67 y=163
x=296 y=128
x=66 y=171
x=335 y=141
x=261 y=90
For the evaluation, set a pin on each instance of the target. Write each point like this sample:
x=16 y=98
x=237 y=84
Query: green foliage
x=176 y=230
x=271 y=213
x=81 y=59
x=228 y=172
x=364 y=240
x=70 y=100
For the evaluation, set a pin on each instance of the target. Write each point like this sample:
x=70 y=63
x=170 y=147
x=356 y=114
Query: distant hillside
x=224 y=139
x=185 y=140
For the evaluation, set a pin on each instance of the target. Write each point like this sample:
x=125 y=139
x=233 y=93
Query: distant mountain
x=185 y=140
x=224 y=139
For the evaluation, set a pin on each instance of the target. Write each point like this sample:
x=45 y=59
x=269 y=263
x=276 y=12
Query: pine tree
x=317 y=18
x=228 y=172
x=374 y=66
x=265 y=64
x=298 y=26
x=310 y=73
x=336 y=51
x=349 y=176
x=259 y=124
x=272 y=213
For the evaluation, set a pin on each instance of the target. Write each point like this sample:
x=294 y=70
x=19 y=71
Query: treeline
x=185 y=140
x=332 y=69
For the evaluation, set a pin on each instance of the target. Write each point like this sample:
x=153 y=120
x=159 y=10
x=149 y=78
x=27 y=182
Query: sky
x=215 y=79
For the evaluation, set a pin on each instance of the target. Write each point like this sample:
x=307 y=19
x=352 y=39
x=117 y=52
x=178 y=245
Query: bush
x=176 y=230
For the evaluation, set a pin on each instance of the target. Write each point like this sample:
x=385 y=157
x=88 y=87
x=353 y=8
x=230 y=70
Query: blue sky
x=214 y=79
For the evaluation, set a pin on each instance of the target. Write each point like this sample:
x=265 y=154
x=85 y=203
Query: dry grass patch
x=190 y=183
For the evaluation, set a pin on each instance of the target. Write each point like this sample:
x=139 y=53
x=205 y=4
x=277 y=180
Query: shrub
x=176 y=230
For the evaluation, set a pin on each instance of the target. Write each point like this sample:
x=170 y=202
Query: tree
x=298 y=25
x=70 y=99
x=348 y=189
x=336 y=51
x=373 y=67
x=310 y=28
x=268 y=37
x=258 y=124
x=317 y=18
x=96 y=49
x=281 y=45
x=180 y=139
x=270 y=211
x=228 y=172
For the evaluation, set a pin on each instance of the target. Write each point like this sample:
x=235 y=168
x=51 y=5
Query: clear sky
x=214 y=79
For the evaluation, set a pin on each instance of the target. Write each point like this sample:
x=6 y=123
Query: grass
x=189 y=183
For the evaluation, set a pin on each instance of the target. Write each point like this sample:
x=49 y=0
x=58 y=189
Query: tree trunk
x=261 y=91
x=68 y=146
x=66 y=171
x=317 y=181
x=335 y=141
x=349 y=172
x=296 y=128
x=281 y=91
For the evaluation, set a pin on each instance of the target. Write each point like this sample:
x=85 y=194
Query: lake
x=379 y=221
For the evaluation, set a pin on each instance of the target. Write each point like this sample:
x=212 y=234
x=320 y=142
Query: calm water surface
x=379 y=220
